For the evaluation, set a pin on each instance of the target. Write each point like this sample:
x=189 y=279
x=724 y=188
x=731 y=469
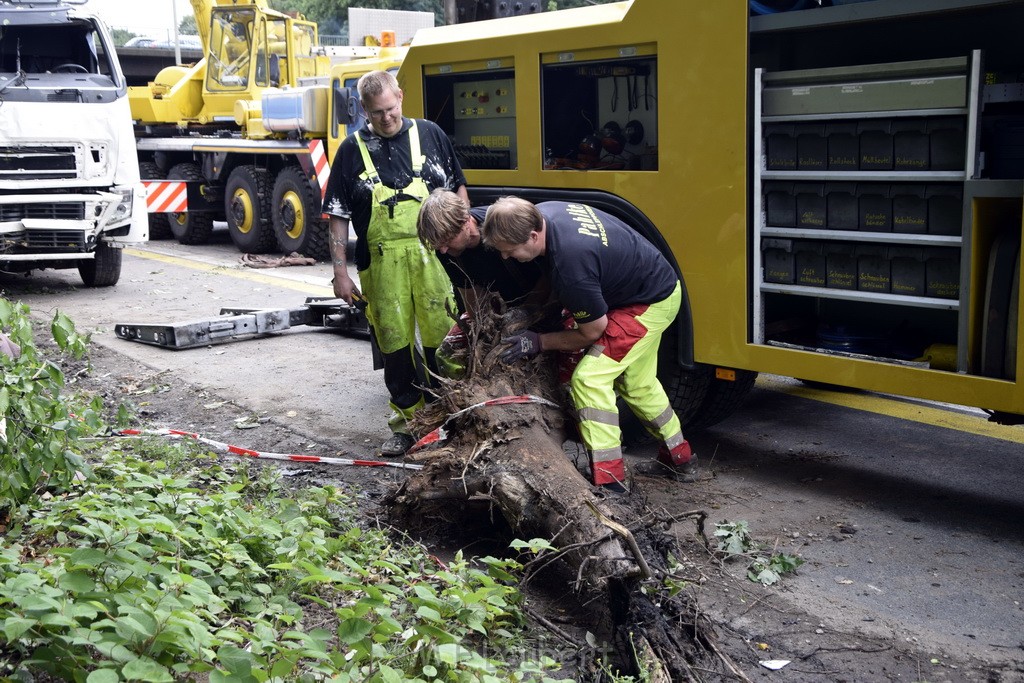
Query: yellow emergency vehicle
x=840 y=187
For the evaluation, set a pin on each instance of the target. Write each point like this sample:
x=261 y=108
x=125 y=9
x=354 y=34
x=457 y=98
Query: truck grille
x=43 y=241
x=57 y=240
x=33 y=163
x=62 y=211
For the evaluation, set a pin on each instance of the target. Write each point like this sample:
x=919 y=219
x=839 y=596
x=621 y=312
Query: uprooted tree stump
x=508 y=458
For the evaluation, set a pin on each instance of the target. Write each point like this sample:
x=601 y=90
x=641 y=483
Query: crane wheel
x=296 y=218
x=247 y=208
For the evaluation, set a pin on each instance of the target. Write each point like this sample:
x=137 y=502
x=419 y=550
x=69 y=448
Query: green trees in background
x=332 y=15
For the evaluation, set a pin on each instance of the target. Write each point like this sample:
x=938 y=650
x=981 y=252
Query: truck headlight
x=123 y=208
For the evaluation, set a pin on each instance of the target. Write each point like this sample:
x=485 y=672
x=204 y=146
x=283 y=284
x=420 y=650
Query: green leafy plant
x=766 y=568
x=158 y=561
x=38 y=426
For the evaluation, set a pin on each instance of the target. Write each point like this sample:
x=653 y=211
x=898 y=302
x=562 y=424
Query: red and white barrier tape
x=440 y=434
x=249 y=453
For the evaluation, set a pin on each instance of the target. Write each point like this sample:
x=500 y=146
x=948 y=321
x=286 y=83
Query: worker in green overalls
x=380 y=176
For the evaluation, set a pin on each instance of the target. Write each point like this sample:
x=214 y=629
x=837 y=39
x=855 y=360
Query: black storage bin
x=810 y=205
x=780 y=204
x=947 y=143
x=778 y=260
x=945 y=209
x=942 y=273
x=780 y=144
x=910 y=145
x=909 y=209
x=841 y=206
x=1002 y=143
x=874 y=207
x=907 y=269
x=843 y=146
x=841 y=263
x=875 y=145
x=873 y=273
x=811 y=147
x=810 y=263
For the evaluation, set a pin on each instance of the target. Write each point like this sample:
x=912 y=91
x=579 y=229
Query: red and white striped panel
x=321 y=166
x=323 y=169
x=166 y=196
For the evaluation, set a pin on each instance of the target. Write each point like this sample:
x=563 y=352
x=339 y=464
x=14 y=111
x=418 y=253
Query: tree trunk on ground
x=509 y=458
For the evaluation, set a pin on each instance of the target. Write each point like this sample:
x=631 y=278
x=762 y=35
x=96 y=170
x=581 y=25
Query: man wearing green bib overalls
x=380 y=176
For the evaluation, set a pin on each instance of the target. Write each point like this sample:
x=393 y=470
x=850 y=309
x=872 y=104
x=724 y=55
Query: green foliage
x=734 y=541
x=170 y=566
x=121 y=36
x=187 y=25
x=148 y=576
x=160 y=563
x=38 y=427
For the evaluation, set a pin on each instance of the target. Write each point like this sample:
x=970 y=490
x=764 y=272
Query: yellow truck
x=840 y=187
x=247 y=134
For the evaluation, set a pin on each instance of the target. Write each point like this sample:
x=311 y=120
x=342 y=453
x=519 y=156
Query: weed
x=734 y=541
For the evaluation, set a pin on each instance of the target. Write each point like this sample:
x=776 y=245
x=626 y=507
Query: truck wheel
x=104 y=270
x=159 y=228
x=686 y=389
x=247 y=206
x=721 y=401
x=296 y=216
x=189 y=227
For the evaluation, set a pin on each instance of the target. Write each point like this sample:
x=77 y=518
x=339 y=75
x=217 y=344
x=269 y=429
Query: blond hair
x=511 y=220
x=442 y=217
x=374 y=83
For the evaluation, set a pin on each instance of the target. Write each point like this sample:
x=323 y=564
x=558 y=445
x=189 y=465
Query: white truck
x=70 y=194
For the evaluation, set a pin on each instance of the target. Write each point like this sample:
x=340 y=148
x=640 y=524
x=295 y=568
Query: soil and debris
x=756 y=627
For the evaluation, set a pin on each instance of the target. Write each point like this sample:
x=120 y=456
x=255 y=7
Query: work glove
x=525 y=344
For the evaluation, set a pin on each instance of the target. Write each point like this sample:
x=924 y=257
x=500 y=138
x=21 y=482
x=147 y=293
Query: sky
x=152 y=18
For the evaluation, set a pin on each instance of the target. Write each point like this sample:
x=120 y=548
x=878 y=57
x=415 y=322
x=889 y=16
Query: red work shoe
x=680 y=462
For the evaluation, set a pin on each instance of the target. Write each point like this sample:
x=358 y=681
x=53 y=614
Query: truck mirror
x=346 y=107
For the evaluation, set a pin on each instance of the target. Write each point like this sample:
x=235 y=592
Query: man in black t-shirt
x=623 y=294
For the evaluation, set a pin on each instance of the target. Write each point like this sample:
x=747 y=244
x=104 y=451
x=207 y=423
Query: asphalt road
x=908 y=513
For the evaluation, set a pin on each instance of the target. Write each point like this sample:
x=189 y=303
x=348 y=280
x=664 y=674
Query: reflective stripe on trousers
x=624 y=361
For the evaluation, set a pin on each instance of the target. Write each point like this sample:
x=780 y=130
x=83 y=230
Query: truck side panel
x=529 y=101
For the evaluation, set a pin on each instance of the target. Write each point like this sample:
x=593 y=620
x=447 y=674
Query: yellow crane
x=246 y=134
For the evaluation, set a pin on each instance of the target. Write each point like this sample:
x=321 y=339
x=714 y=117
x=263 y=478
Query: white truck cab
x=70 y=195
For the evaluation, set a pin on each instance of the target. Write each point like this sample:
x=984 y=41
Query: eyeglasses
x=382 y=113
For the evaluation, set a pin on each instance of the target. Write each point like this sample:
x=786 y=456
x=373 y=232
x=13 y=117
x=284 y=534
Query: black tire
x=296 y=215
x=159 y=228
x=104 y=270
x=722 y=399
x=686 y=389
x=247 y=208
x=189 y=227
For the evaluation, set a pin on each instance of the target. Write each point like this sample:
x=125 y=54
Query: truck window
x=271 y=53
x=64 y=48
x=600 y=114
x=231 y=35
x=478 y=109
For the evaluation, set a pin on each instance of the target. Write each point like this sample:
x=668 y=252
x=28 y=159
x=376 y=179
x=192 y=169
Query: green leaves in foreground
x=765 y=568
x=151 y=562
x=149 y=575
x=38 y=428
